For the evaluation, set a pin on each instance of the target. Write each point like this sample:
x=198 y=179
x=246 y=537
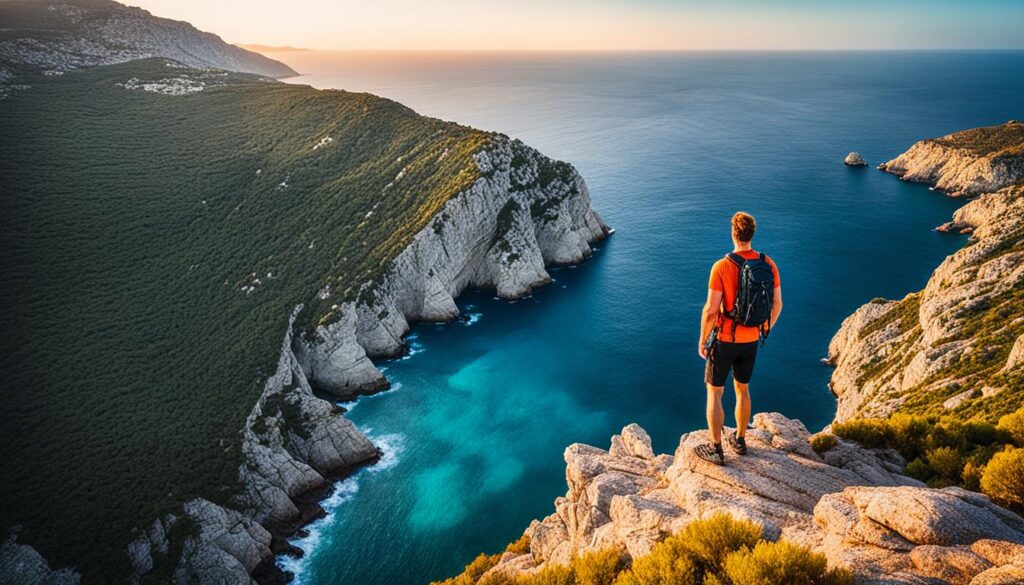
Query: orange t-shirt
x=725 y=278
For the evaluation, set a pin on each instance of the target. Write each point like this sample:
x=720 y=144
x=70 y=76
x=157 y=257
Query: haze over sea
x=670 y=146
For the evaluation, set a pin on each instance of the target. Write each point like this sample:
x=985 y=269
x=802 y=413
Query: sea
x=671 y=145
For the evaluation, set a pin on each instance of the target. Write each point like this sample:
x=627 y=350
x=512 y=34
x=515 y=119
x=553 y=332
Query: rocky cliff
x=524 y=213
x=64 y=35
x=969 y=162
x=294 y=443
x=849 y=503
x=396 y=215
x=956 y=344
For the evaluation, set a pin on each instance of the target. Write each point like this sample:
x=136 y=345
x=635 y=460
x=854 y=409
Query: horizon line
x=287 y=49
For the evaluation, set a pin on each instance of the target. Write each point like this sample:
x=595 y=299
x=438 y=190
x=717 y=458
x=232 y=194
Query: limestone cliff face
x=971 y=162
x=951 y=345
x=524 y=213
x=851 y=504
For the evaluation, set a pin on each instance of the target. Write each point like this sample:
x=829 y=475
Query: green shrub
x=971 y=477
x=1013 y=425
x=1003 y=479
x=598 y=568
x=822 y=442
x=947 y=462
x=772 y=563
x=521 y=546
x=666 y=564
x=549 y=575
x=919 y=469
x=910 y=433
x=689 y=555
x=710 y=540
x=869 y=432
x=473 y=571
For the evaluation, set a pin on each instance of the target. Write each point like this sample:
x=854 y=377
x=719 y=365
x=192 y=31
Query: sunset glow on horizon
x=531 y=25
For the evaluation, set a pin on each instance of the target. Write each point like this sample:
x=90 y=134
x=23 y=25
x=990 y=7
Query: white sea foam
x=472 y=318
x=321 y=530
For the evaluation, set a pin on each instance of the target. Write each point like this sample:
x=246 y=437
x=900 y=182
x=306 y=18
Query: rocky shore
x=931 y=345
x=966 y=163
x=518 y=218
x=851 y=504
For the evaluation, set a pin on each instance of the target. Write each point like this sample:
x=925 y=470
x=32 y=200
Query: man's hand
x=702 y=351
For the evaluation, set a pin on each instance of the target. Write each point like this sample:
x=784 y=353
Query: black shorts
x=725 y=356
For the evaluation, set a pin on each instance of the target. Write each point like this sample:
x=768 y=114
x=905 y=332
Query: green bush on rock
x=770 y=563
x=941 y=451
x=720 y=550
x=1003 y=479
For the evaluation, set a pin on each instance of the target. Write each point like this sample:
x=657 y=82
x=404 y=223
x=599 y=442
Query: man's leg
x=715 y=413
x=742 y=407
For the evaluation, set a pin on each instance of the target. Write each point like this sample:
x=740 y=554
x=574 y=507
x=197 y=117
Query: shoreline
x=312 y=509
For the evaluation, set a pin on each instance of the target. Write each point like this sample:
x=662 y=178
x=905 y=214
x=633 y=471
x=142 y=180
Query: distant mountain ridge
x=65 y=35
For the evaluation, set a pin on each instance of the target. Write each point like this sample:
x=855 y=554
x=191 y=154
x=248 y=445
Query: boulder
x=854 y=160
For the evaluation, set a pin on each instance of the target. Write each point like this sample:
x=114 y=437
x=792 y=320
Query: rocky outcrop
x=21 y=565
x=293 y=444
x=851 y=504
x=930 y=345
x=525 y=212
x=65 y=35
x=971 y=162
x=854 y=160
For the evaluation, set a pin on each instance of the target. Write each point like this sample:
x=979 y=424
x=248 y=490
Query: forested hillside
x=158 y=226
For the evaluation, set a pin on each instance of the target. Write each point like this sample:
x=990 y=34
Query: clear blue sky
x=606 y=24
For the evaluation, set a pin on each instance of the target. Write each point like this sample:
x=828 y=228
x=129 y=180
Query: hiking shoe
x=710 y=453
x=737 y=443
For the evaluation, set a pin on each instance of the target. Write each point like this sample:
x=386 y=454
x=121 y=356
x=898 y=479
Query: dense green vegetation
x=153 y=247
x=948 y=450
x=719 y=550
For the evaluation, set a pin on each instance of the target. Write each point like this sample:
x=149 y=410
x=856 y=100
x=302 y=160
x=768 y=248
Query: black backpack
x=754 y=295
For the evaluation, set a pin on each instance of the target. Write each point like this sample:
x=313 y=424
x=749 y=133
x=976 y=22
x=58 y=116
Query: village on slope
x=918 y=481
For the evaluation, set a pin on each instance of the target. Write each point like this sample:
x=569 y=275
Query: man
x=729 y=335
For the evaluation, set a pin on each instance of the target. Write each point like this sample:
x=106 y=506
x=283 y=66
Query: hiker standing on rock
x=744 y=302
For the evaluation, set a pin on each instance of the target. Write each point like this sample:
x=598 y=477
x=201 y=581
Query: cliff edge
x=956 y=345
x=851 y=504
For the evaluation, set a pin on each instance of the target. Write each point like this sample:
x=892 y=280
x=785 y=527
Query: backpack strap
x=736 y=259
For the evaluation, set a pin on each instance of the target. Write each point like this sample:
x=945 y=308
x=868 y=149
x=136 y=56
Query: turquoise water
x=670 y=146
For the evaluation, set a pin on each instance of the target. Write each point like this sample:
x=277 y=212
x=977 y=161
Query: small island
x=854 y=160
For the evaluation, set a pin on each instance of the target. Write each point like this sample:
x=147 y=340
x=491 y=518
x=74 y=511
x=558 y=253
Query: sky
x=557 y=25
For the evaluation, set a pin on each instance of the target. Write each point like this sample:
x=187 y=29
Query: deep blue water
x=670 y=145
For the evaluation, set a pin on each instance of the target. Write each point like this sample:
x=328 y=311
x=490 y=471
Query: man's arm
x=708 y=317
x=776 y=307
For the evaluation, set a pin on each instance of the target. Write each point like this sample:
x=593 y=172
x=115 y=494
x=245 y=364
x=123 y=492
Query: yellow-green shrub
x=697 y=550
x=772 y=563
x=520 y=546
x=946 y=462
x=971 y=476
x=598 y=568
x=549 y=575
x=869 y=432
x=1003 y=479
x=1013 y=425
x=473 y=571
x=823 y=442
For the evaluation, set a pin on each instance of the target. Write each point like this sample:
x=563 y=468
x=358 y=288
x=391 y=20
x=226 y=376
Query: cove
x=670 y=145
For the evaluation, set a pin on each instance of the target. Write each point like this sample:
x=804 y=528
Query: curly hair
x=743 y=226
